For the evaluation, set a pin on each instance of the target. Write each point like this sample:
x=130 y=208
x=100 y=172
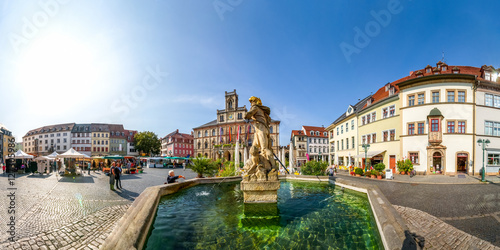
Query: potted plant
x=408 y=166
x=401 y=167
x=380 y=175
x=373 y=173
x=204 y=166
x=368 y=174
x=358 y=171
x=21 y=170
x=352 y=173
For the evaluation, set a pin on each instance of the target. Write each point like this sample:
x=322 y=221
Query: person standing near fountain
x=112 y=177
x=172 y=178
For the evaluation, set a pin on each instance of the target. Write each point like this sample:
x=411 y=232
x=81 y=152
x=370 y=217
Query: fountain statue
x=260 y=174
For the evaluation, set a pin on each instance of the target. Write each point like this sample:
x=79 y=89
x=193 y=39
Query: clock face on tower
x=230 y=117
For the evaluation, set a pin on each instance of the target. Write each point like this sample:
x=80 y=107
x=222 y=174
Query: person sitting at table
x=172 y=177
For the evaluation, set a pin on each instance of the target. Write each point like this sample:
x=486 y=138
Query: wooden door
x=392 y=163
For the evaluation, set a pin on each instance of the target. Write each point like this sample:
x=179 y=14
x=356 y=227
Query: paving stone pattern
x=47 y=204
x=438 y=234
x=87 y=233
x=472 y=208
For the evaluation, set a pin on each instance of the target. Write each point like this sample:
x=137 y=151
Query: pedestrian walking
x=3 y=168
x=112 y=177
x=117 y=172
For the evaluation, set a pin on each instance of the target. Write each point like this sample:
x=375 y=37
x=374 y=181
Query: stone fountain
x=260 y=174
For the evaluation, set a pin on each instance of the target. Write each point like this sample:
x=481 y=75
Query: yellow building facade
x=379 y=127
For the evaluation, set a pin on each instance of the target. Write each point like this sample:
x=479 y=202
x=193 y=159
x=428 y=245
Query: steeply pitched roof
x=321 y=131
x=357 y=107
x=212 y=123
x=382 y=94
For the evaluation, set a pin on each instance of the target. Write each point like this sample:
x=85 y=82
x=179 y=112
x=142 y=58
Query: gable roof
x=357 y=107
x=321 y=130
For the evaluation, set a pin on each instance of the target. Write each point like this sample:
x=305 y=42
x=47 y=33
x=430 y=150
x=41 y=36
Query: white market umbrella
x=53 y=155
x=43 y=158
x=71 y=153
x=21 y=155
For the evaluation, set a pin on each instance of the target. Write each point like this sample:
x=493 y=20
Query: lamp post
x=366 y=147
x=483 y=143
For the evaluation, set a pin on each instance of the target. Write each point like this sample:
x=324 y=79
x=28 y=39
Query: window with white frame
x=346 y=127
x=352 y=124
x=492 y=128
x=374 y=116
x=494 y=159
x=392 y=111
x=414 y=157
x=492 y=100
x=385 y=112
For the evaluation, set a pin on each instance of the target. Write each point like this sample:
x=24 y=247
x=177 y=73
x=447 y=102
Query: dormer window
x=428 y=69
x=369 y=102
x=487 y=76
x=456 y=70
x=419 y=73
x=317 y=133
x=435 y=71
x=312 y=132
x=391 y=91
x=444 y=68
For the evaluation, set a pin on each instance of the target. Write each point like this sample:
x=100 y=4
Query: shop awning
x=370 y=154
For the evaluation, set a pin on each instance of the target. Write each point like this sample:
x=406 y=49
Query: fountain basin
x=307 y=215
x=133 y=228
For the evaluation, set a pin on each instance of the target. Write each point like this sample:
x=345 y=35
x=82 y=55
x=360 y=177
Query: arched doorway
x=227 y=156
x=437 y=163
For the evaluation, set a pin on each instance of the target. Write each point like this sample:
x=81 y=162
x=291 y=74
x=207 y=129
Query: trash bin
x=388 y=174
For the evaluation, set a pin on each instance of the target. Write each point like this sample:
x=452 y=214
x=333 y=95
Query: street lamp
x=366 y=147
x=483 y=143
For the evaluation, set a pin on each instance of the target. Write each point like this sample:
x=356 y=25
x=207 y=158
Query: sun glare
x=57 y=66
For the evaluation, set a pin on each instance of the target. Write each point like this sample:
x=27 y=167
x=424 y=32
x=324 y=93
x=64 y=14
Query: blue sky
x=164 y=65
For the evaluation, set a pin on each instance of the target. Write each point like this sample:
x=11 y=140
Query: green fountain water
x=307 y=216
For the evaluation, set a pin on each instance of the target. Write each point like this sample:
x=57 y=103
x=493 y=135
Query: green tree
x=314 y=168
x=147 y=142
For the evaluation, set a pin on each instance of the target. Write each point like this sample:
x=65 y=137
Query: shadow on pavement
x=126 y=194
x=39 y=176
x=76 y=179
x=129 y=177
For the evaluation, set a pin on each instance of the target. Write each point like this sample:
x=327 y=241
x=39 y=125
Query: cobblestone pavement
x=439 y=235
x=472 y=208
x=87 y=233
x=47 y=203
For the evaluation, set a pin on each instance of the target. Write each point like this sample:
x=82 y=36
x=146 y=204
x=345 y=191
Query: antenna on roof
x=442 y=58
